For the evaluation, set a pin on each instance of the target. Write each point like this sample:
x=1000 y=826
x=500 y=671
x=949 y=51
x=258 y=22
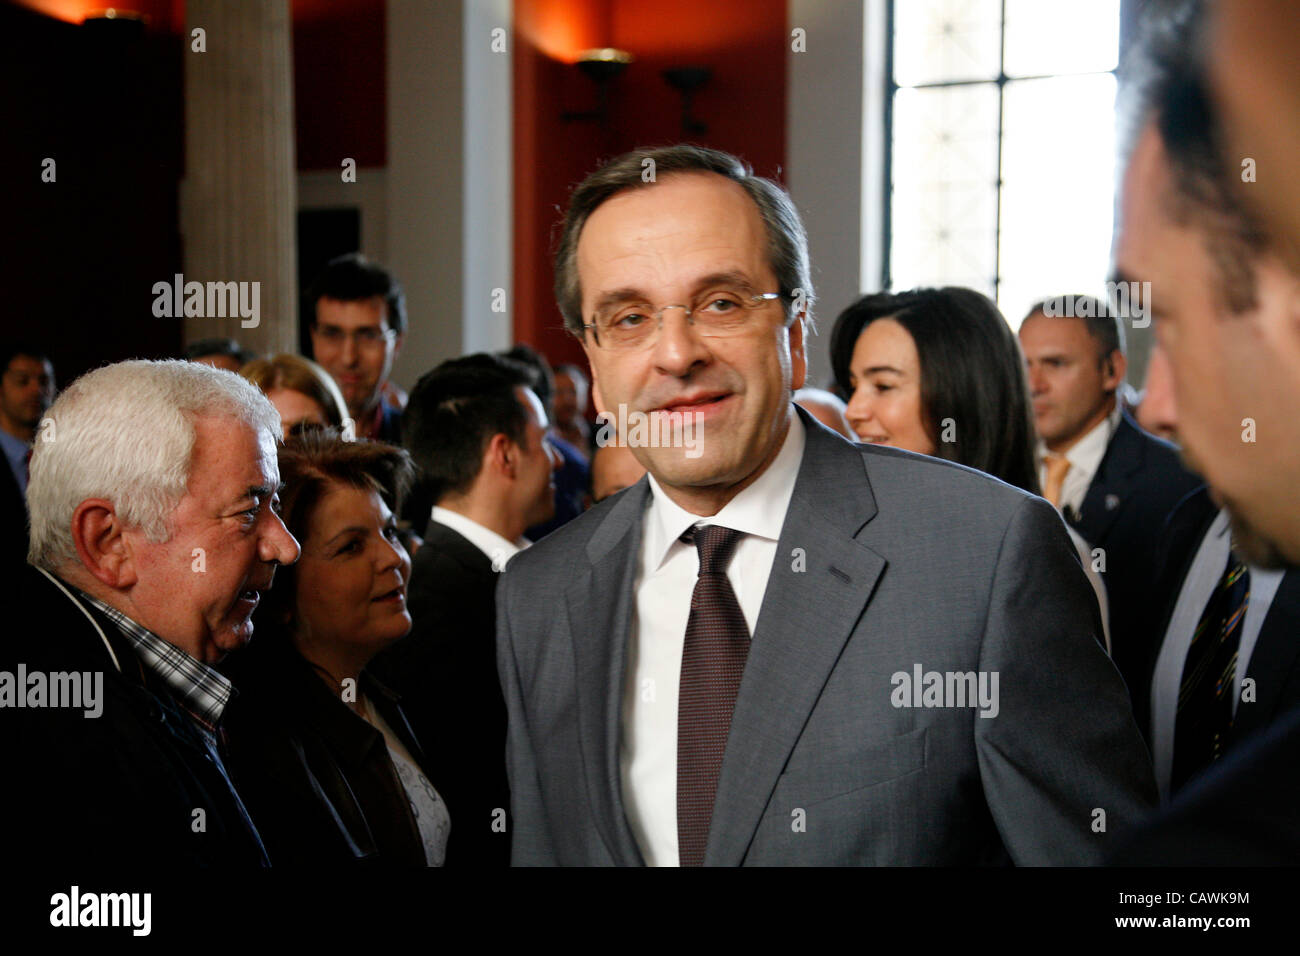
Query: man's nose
x=348 y=353
x=278 y=546
x=1159 y=409
x=679 y=347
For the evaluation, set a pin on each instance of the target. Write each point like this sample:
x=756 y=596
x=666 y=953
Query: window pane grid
x=1001 y=178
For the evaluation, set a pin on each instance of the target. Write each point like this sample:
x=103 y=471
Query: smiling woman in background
x=300 y=390
x=939 y=372
x=323 y=753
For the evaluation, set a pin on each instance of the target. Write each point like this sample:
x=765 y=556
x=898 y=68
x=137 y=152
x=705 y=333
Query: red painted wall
x=339 y=86
x=743 y=41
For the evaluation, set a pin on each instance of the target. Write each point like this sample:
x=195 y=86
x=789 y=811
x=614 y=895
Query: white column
x=488 y=178
x=449 y=176
x=825 y=152
x=238 y=199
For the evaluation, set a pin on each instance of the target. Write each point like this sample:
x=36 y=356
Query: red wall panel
x=744 y=42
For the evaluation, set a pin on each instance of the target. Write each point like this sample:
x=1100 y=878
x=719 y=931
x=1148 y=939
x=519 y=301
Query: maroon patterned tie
x=713 y=659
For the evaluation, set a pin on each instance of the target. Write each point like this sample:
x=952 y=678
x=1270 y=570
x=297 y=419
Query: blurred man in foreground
x=1227 y=368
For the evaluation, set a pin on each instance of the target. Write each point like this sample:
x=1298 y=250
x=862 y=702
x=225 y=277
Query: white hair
x=125 y=433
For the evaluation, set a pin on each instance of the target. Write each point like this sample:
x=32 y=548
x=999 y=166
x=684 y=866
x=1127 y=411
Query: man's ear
x=1115 y=367
x=502 y=455
x=798 y=353
x=397 y=343
x=102 y=546
x=597 y=399
x=1278 y=312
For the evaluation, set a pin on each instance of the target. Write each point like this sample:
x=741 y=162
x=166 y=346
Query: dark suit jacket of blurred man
x=1242 y=813
x=1124 y=511
x=1274 y=660
x=445 y=670
x=907 y=561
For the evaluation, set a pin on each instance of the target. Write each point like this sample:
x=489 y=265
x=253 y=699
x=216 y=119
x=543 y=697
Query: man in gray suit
x=924 y=683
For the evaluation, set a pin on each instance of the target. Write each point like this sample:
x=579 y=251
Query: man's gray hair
x=787 y=243
x=125 y=433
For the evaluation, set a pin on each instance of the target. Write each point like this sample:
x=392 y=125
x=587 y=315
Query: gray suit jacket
x=907 y=561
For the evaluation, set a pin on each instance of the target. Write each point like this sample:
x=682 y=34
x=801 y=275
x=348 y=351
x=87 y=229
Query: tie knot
x=715 y=544
x=1057 y=465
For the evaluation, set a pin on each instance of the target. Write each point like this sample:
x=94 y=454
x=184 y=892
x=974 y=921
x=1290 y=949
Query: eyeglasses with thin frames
x=365 y=338
x=717 y=313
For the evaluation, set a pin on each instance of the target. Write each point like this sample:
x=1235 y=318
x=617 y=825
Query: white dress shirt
x=1085 y=457
x=498 y=549
x=1094 y=578
x=427 y=807
x=1203 y=577
x=666 y=578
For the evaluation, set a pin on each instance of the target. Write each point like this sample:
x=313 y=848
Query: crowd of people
x=956 y=607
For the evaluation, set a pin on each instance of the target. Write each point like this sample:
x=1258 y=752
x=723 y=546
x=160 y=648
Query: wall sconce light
x=603 y=66
x=688 y=80
x=116 y=19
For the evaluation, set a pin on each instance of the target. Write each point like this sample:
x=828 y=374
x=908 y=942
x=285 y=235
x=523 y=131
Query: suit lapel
x=789 y=662
x=1274 y=657
x=600 y=606
x=1124 y=458
x=1189 y=523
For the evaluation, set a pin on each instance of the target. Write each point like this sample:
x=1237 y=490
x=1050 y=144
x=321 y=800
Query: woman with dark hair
x=949 y=358
x=321 y=751
x=939 y=371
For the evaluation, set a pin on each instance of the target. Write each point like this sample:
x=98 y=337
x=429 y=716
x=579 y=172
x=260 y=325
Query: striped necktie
x=1209 y=681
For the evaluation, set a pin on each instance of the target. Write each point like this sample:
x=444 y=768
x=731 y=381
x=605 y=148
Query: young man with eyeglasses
x=707 y=667
x=358 y=326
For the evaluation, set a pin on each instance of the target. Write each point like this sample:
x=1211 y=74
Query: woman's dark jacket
x=317 y=778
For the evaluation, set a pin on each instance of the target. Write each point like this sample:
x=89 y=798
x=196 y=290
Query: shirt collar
x=759 y=510
x=200 y=689
x=498 y=549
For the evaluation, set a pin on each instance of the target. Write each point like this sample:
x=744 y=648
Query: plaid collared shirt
x=202 y=691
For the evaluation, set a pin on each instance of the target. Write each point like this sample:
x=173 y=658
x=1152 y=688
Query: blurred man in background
x=1114 y=483
x=223 y=353
x=359 y=324
x=573 y=475
x=26 y=391
x=570 y=408
x=477 y=432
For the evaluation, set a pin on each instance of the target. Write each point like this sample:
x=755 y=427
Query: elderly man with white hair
x=154 y=529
